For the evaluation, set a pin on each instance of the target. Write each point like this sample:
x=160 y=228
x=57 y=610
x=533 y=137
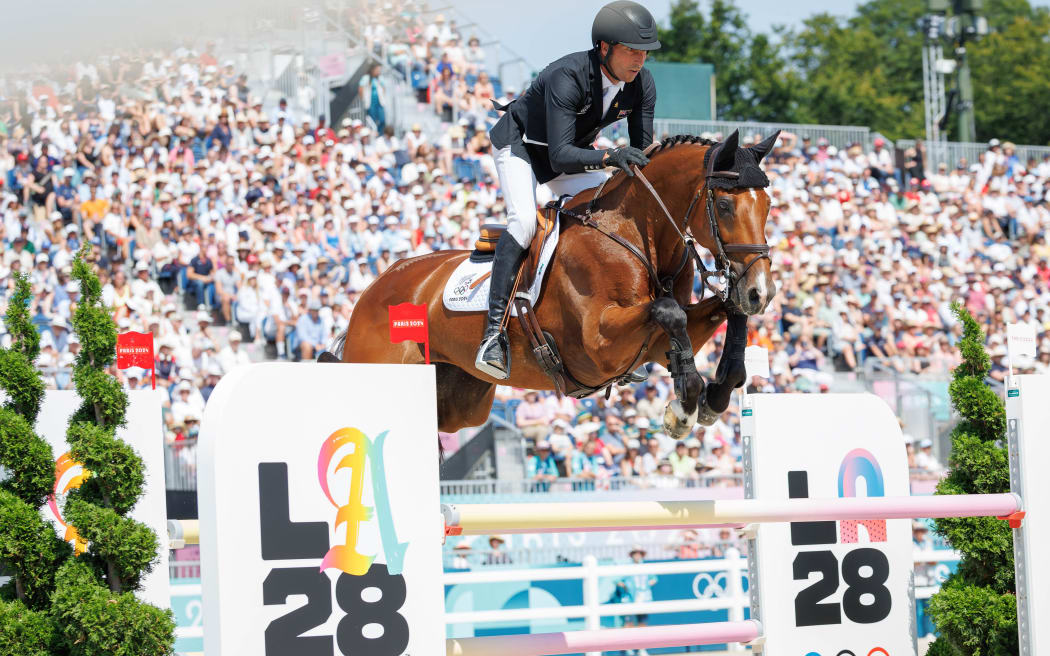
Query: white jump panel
x=1028 y=423
x=828 y=586
x=318 y=488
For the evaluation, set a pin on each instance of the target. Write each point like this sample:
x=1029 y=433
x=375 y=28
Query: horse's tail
x=336 y=348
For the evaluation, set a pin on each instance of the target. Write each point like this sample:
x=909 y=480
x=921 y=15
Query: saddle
x=485 y=247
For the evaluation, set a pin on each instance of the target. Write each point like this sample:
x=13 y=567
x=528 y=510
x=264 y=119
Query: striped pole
x=482 y=519
x=572 y=642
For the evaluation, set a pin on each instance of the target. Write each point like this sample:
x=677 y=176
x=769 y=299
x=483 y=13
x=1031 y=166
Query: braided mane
x=678 y=139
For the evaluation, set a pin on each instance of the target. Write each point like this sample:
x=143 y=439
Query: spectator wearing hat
x=682 y=465
x=232 y=355
x=249 y=312
x=496 y=555
x=650 y=405
x=200 y=280
x=212 y=373
x=694 y=445
x=533 y=417
x=541 y=468
x=66 y=199
x=184 y=404
x=562 y=445
x=461 y=553
x=722 y=464
x=60 y=332
x=309 y=335
x=133 y=378
x=43 y=276
x=687 y=547
x=636 y=588
x=924 y=458
x=145 y=292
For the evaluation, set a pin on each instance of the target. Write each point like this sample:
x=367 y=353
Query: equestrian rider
x=546 y=137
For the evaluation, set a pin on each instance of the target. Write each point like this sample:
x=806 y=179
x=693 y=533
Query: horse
x=618 y=288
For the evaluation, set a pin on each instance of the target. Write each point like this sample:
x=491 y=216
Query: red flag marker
x=408 y=322
x=136 y=350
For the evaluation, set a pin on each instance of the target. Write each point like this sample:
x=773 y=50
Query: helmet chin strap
x=605 y=61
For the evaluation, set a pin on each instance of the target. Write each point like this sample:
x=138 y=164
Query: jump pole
x=482 y=519
x=572 y=642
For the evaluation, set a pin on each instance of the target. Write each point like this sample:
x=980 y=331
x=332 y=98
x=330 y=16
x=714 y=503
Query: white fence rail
x=718 y=585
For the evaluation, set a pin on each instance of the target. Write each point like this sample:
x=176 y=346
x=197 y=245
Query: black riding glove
x=624 y=157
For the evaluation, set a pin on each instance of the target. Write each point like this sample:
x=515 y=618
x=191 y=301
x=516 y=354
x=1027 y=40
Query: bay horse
x=618 y=288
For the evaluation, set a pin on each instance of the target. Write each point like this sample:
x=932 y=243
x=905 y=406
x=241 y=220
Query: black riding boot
x=493 y=357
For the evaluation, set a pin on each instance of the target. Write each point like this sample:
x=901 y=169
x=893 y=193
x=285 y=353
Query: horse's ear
x=725 y=159
x=762 y=149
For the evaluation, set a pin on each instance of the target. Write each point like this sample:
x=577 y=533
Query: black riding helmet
x=627 y=23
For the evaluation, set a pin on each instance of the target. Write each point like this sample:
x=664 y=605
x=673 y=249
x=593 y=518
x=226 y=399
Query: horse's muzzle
x=752 y=294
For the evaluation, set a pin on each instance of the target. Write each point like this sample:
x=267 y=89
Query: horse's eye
x=724 y=205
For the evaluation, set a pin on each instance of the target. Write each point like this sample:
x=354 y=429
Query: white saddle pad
x=460 y=297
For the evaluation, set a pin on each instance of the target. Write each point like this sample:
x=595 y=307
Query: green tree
x=975 y=610
x=30 y=551
x=57 y=604
x=94 y=603
x=749 y=76
x=1010 y=82
x=865 y=70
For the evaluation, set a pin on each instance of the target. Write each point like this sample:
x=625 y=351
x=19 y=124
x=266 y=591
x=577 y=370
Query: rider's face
x=624 y=62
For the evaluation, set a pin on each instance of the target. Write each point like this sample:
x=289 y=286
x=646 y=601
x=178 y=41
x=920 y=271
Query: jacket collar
x=596 y=85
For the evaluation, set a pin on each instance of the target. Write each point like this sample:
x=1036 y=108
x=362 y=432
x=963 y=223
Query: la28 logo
x=371 y=602
x=866 y=599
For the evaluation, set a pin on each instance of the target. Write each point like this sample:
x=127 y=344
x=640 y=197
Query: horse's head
x=730 y=221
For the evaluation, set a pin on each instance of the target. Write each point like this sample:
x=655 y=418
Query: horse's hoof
x=707 y=416
x=677 y=423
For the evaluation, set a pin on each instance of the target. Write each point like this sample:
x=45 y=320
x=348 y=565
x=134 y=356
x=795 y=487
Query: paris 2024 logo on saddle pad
x=467 y=289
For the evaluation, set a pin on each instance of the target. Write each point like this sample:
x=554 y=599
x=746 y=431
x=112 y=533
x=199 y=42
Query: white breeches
x=518 y=183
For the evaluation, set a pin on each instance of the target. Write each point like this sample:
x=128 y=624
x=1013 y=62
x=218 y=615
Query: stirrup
x=639 y=375
x=481 y=365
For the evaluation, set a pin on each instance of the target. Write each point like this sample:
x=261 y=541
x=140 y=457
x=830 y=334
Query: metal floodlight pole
x=933 y=24
x=967 y=125
x=970 y=27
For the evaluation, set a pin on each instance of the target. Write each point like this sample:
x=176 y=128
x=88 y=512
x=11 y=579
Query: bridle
x=723 y=264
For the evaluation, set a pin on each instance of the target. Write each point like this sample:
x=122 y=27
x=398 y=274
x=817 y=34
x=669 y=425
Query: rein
x=723 y=265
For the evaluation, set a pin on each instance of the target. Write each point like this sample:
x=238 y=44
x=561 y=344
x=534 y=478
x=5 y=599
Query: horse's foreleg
x=730 y=373
x=681 y=413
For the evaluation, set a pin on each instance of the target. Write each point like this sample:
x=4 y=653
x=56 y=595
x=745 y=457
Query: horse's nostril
x=754 y=296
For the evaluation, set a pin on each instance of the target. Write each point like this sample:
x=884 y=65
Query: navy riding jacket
x=554 y=123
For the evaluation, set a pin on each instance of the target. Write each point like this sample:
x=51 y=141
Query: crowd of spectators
x=233 y=232
x=229 y=231
x=447 y=70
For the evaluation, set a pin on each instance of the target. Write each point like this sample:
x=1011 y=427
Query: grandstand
x=241 y=189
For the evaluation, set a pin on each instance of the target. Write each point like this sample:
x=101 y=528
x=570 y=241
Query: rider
x=546 y=137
